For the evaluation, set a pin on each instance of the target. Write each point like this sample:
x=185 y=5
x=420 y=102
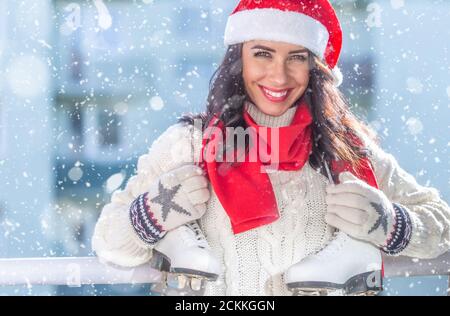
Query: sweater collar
x=263 y=119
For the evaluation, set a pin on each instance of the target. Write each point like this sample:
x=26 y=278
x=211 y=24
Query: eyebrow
x=303 y=50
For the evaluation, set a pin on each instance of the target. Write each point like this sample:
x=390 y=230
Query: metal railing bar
x=72 y=271
x=77 y=271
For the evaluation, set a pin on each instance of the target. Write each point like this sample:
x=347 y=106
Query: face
x=275 y=74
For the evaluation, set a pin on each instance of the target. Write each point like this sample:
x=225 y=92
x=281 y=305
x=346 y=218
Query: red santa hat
x=312 y=24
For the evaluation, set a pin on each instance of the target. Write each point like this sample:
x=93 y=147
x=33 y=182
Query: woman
x=262 y=217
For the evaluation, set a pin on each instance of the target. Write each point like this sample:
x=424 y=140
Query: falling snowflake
x=156 y=103
x=414 y=125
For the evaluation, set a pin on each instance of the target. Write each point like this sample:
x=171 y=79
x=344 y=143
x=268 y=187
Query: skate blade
x=184 y=281
x=368 y=293
x=180 y=285
x=310 y=292
x=365 y=284
x=314 y=288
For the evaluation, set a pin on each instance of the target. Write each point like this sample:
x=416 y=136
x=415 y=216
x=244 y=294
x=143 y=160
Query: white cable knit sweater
x=254 y=261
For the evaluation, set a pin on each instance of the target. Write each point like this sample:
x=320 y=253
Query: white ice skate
x=185 y=258
x=345 y=265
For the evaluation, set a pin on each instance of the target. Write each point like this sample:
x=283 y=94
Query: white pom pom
x=337 y=75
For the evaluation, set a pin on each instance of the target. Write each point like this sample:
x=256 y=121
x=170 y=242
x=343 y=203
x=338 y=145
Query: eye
x=300 y=57
x=262 y=53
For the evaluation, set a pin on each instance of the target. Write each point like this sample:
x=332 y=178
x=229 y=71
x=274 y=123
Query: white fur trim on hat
x=276 y=25
x=337 y=76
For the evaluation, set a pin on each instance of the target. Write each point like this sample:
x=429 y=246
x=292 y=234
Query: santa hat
x=312 y=24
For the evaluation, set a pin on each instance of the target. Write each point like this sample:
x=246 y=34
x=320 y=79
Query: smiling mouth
x=275 y=95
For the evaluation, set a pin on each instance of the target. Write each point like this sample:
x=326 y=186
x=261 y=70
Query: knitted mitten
x=360 y=210
x=174 y=199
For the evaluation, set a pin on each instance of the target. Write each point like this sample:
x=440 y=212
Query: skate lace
x=200 y=239
x=337 y=240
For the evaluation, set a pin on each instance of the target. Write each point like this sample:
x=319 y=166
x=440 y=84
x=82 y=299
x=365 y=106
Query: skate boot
x=185 y=259
x=345 y=266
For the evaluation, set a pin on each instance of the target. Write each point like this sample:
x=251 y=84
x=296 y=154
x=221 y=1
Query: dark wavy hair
x=333 y=122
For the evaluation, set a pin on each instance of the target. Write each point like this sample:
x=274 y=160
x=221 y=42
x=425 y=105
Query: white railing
x=71 y=271
x=77 y=271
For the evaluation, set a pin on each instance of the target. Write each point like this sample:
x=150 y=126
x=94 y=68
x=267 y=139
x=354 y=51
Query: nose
x=278 y=73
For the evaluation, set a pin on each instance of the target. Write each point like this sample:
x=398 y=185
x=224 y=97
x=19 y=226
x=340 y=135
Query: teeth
x=276 y=94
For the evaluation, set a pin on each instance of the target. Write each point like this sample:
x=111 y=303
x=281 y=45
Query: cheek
x=301 y=77
x=252 y=72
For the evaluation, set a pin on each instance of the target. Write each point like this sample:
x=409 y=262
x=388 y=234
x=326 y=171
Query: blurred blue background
x=86 y=86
